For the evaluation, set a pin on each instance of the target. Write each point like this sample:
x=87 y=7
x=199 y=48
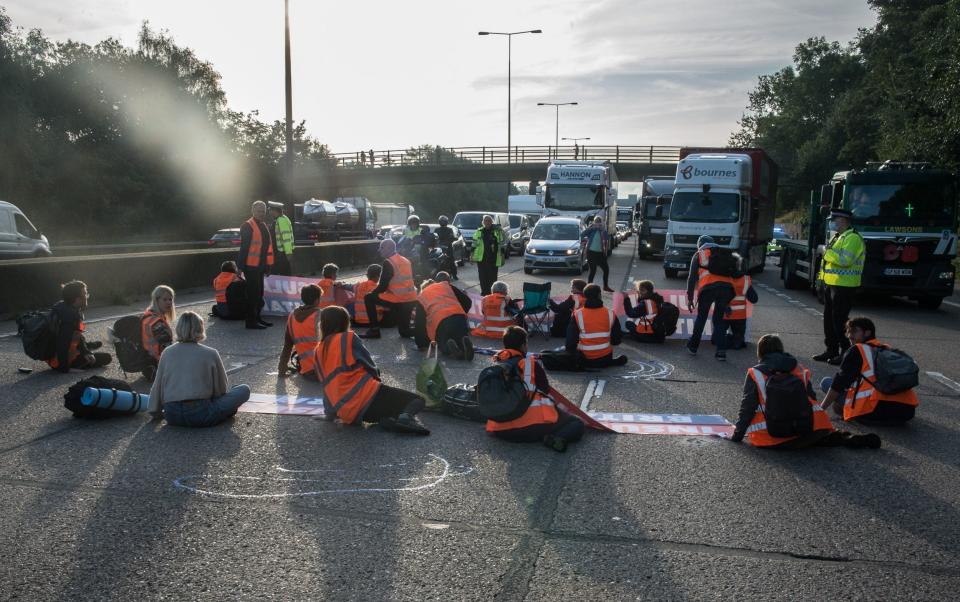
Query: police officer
x=413 y=227
x=445 y=238
x=488 y=253
x=283 y=238
x=840 y=270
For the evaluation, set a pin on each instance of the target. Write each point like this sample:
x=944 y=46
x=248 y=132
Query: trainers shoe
x=94 y=345
x=871 y=441
x=721 y=356
x=405 y=423
x=621 y=361
x=467 y=349
x=453 y=350
x=826 y=355
x=689 y=350
x=607 y=289
x=555 y=443
x=264 y=323
x=371 y=333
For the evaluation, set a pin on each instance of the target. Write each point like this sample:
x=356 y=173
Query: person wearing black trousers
x=597 y=241
x=255 y=264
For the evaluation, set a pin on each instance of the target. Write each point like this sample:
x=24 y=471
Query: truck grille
x=691 y=239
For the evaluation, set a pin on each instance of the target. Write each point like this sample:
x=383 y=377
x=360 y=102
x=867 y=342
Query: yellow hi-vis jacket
x=284 y=235
x=842 y=263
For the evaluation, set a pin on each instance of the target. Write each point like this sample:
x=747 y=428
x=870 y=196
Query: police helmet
x=413 y=218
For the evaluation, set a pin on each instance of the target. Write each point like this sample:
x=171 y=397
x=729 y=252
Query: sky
x=391 y=75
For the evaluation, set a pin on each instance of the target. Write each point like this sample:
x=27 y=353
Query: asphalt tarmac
x=291 y=508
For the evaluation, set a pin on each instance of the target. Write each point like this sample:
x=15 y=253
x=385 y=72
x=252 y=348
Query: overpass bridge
x=440 y=165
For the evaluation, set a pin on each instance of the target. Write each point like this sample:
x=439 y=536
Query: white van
x=469 y=221
x=18 y=237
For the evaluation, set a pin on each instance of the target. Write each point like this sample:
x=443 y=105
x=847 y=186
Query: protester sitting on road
x=735 y=320
x=497 y=311
x=395 y=291
x=156 y=334
x=352 y=391
x=360 y=291
x=542 y=421
x=72 y=349
x=646 y=310
x=190 y=388
x=302 y=334
x=441 y=317
x=711 y=290
x=759 y=396
x=862 y=401
x=230 y=292
x=563 y=310
x=591 y=335
x=329 y=285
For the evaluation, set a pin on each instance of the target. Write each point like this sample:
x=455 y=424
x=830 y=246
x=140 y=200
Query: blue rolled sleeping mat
x=112 y=399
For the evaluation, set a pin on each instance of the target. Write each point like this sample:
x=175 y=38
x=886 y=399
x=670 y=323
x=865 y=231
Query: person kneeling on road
x=352 y=390
x=231 y=293
x=542 y=421
x=563 y=310
x=779 y=408
x=855 y=383
x=72 y=348
x=302 y=334
x=190 y=388
x=705 y=288
x=645 y=312
x=395 y=291
x=441 y=317
x=498 y=311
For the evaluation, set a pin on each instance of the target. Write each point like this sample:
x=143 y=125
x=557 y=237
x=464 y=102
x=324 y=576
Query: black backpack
x=501 y=395
x=71 y=399
x=788 y=411
x=722 y=262
x=38 y=331
x=460 y=401
x=665 y=324
x=893 y=371
x=128 y=342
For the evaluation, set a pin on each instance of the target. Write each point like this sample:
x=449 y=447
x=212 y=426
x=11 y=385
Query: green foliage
x=893 y=93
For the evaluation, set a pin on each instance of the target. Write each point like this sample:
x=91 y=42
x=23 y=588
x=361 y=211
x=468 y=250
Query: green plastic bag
x=431 y=382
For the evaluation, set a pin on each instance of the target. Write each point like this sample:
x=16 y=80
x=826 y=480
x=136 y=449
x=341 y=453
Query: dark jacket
x=246 y=233
x=420 y=320
x=444 y=235
x=539 y=373
x=850 y=367
x=69 y=318
x=772 y=362
x=573 y=332
x=694 y=276
x=386 y=275
x=564 y=307
x=640 y=310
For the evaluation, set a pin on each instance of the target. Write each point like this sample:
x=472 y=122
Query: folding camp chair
x=535 y=297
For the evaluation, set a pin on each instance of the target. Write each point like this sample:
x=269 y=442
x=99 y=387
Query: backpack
x=665 y=324
x=127 y=340
x=722 y=262
x=788 y=411
x=38 y=331
x=460 y=401
x=501 y=394
x=893 y=371
x=71 y=399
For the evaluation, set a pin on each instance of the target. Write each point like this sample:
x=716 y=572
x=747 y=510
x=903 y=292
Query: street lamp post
x=288 y=90
x=509 y=74
x=557 y=105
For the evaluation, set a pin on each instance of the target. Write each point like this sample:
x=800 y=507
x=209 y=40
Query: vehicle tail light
x=910 y=254
x=209 y=243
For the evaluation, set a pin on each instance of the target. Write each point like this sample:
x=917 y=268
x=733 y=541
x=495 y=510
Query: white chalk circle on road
x=286 y=483
x=647 y=370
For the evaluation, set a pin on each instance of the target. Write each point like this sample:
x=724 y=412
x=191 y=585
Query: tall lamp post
x=289 y=102
x=509 y=68
x=557 y=105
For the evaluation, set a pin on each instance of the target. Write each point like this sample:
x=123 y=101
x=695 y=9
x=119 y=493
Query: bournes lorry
x=728 y=194
x=907 y=215
x=581 y=189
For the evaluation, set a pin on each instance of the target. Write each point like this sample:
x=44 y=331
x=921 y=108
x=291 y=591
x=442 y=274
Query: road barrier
x=118 y=279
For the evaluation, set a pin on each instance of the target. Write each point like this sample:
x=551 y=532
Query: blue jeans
x=206 y=412
x=719 y=298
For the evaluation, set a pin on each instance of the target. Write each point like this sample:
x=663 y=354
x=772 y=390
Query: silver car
x=18 y=237
x=555 y=245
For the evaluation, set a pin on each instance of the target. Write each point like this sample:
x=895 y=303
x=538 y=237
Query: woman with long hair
x=156 y=332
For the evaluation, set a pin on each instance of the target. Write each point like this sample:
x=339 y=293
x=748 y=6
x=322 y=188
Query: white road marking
x=952 y=303
x=588 y=395
x=949 y=382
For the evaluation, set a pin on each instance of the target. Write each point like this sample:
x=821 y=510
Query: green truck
x=907 y=215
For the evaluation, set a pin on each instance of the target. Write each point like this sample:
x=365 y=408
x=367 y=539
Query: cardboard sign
x=261 y=403
x=281 y=294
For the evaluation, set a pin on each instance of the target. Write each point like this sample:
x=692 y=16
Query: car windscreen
x=714 y=207
x=573 y=198
x=470 y=221
x=556 y=232
x=515 y=220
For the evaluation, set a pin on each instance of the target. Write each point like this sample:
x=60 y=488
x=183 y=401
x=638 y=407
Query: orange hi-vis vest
x=53 y=362
x=326 y=293
x=305 y=336
x=739 y=304
x=645 y=324
x=256 y=246
x=594 y=324
x=347 y=386
x=147 y=336
x=220 y=284
x=495 y=318
x=542 y=409
x=359 y=308
x=757 y=433
x=704 y=277
x=863 y=397
x=439 y=303
x=401 y=288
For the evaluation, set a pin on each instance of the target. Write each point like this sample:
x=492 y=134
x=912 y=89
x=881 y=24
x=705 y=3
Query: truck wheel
x=791 y=281
x=528 y=271
x=671 y=272
x=930 y=302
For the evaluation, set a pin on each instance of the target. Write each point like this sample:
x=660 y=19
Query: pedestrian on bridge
x=283 y=235
x=488 y=253
x=597 y=241
x=255 y=260
x=840 y=271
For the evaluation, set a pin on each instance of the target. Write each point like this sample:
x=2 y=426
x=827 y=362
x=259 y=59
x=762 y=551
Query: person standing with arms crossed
x=840 y=270
x=255 y=260
x=283 y=235
x=597 y=241
x=488 y=253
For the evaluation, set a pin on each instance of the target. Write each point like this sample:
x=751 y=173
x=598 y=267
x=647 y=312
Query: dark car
x=459 y=246
x=229 y=237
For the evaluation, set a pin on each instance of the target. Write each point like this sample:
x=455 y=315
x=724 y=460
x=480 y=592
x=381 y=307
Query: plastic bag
x=431 y=381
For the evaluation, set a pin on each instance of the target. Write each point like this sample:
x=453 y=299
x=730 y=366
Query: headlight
x=946 y=275
x=572 y=251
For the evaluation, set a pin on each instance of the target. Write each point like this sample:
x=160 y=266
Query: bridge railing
x=498 y=155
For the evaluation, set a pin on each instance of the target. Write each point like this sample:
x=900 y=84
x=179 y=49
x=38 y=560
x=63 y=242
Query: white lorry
x=391 y=214
x=581 y=189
